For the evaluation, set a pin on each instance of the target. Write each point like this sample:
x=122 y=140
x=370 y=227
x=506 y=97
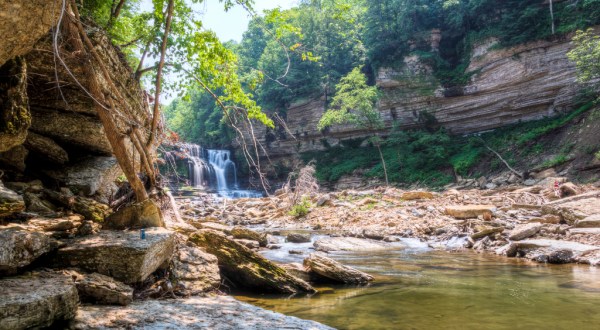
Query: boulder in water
x=298 y=237
x=245 y=267
x=332 y=270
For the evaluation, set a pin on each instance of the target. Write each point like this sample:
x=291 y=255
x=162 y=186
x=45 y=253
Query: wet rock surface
x=191 y=313
x=332 y=270
x=329 y=244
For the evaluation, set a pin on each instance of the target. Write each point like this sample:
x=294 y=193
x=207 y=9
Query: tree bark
x=161 y=63
x=387 y=183
x=75 y=30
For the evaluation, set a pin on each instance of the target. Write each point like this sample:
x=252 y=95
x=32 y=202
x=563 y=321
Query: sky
x=232 y=24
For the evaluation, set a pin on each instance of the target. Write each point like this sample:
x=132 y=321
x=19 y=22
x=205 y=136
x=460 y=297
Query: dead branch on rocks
x=305 y=185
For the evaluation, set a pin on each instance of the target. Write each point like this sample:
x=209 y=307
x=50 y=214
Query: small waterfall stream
x=213 y=169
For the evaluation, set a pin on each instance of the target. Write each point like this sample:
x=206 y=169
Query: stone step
x=36 y=301
x=119 y=254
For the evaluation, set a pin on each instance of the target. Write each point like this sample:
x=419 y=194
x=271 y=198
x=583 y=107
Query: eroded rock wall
x=508 y=85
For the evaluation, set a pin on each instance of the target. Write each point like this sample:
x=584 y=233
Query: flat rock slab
x=36 y=302
x=591 y=231
x=413 y=195
x=329 y=244
x=192 y=313
x=593 y=221
x=19 y=248
x=470 y=211
x=122 y=255
x=574 y=208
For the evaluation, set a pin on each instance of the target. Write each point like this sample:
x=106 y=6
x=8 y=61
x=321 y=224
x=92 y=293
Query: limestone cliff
x=508 y=85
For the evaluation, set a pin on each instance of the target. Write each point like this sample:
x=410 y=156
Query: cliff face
x=49 y=128
x=508 y=85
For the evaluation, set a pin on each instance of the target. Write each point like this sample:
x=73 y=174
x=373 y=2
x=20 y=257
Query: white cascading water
x=224 y=168
x=214 y=169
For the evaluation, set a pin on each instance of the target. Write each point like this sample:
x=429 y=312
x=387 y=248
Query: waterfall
x=224 y=168
x=213 y=169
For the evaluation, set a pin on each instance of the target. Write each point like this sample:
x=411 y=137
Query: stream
x=420 y=288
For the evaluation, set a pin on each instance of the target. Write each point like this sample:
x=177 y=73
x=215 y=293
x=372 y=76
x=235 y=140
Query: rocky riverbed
x=73 y=267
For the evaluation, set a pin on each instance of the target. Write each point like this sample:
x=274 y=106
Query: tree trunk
x=75 y=31
x=387 y=183
x=161 y=63
x=552 y=16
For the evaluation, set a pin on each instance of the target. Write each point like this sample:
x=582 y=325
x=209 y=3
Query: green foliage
x=354 y=104
x=301 y=209
x=597 y=155
x=586 y=55
x=199 y=120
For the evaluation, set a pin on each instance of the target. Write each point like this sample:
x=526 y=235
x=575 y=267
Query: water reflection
x=452 y=290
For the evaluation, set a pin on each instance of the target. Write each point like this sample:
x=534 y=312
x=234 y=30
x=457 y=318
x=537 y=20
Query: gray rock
x=254 y=245
x=119 y=254
x=10 y=202
x=19 y=248
x=524 y=231
x=245 y=267
x=36 y=301
x=195 y=269
x=547 y=250
x=328 y=244
x=46 y=147
x=139 y=215
x=101 y=289
x=298 y=237
x=245 y=233
x=593 y=221
x=335 y=271
x=220 y=312
x=37 y=205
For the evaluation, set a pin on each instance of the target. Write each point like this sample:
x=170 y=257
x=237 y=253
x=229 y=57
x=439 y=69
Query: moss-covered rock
x=246 y=268
x=15 y=118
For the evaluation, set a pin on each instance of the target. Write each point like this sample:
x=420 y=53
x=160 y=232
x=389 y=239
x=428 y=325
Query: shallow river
x=418 y=288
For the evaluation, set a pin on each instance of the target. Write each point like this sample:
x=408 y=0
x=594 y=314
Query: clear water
x=417 y=288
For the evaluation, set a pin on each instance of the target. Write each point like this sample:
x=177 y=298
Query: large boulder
x=36 y=301
x=46 y=148
x=572 y=209
x=221 y=312
x=195 y=269
x=298 y=237
x=245 y=267
x=329 y=244
x=119 y=254
x=19 y=248
x=10 y=201
x=593 y=221
x=23 y=22
x=139 y=215
x=334 y=271
x=413 y=195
